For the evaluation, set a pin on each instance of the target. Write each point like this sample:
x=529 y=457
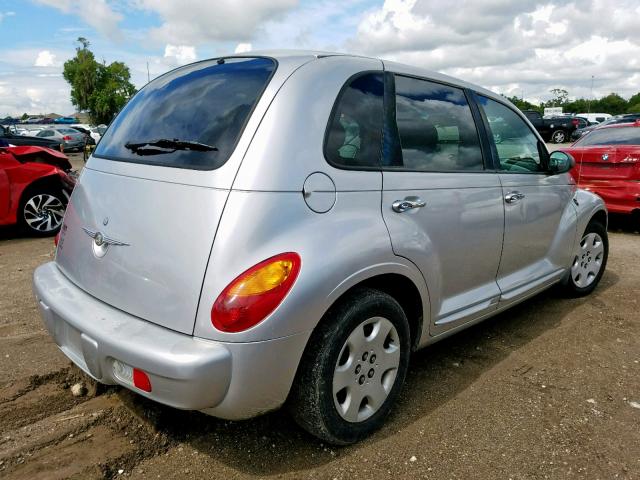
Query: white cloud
x=242 y=48
x=180 y=54
x=512 y=46
x=206 y=21
x=96 y=13
x=45 y=59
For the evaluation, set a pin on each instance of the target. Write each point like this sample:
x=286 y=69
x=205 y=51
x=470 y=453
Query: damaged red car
x=35 y=185
x=608 y=164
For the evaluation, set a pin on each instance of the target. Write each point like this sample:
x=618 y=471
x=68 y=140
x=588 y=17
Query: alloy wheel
x=44 y=212
x=588 y=261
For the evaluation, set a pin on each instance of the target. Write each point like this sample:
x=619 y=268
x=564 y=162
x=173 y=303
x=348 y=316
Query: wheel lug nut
x=371 y=372
x=361 y=379
x=358 y=368
x=365 y=355
x=373 y=358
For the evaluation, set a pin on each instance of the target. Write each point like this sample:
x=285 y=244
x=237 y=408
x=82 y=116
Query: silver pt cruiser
x=287 y=227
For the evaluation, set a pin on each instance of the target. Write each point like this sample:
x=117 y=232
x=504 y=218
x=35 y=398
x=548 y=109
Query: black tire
x=311 y=401
x=25 y=211
x=559 y=136
x=568 y=286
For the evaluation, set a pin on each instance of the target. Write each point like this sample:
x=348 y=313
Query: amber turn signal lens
x=253 y=295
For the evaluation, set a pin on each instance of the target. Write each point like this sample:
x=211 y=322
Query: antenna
x=149 y=79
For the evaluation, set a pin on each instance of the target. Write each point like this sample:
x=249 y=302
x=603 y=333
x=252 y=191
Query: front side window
x=354 y=135
x=436 y=129
x=191 y=117
x=515 y=143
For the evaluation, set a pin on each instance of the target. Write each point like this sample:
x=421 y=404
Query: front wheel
x=559 y=136
x=353 y=368
x=589 y=261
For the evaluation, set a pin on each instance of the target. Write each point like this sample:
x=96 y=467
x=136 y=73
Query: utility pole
x=590 y=96
x=149 y=78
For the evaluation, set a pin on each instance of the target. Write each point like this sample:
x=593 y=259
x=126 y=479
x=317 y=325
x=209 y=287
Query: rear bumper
x=225 y=379
x=185 y=372
x=620 y=196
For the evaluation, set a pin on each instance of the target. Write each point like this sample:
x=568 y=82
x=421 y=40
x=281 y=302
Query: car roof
x=388 y=65
x=620 y=125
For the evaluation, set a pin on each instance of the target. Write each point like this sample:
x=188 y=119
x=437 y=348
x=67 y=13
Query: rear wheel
x=353 y=368
x=559 y=136
x=589 y=261
x=41 y=211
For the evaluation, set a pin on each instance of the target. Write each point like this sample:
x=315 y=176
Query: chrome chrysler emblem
x=101 y=242
x=605 y=156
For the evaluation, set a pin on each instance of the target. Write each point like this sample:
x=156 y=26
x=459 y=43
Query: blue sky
x=520 y=47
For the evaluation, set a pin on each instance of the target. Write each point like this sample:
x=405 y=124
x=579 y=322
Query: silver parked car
x=286 y=228
x=71 y=139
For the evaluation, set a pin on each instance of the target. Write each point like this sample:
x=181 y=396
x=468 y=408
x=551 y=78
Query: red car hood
x=26 y=154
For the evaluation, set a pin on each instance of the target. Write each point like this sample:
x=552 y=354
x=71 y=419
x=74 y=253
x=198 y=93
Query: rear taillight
x=56 y=239
x=66 y=138
x=253 y=295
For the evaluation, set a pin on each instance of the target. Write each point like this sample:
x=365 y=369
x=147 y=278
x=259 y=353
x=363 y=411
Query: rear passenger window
x=436 y=128
x=515 y=143
x=355 y=130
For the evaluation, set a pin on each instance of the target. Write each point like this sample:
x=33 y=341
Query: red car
x=608 y=164
x=35 y=183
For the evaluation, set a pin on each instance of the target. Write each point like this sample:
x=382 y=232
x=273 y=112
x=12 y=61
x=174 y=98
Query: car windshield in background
x=611 y=136
x=205 y=103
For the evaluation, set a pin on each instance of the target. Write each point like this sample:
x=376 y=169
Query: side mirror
x=560 y=162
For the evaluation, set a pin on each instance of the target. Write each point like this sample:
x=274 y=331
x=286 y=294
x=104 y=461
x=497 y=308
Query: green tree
x=97 y=88
x=24 y=116
x=633 y=105
x=612 y=103
x=560 y=97
x=523 y=104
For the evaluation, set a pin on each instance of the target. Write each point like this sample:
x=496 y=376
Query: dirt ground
x=550 y=389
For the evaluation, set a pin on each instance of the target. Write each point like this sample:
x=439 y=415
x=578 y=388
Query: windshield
x=611 y=136
x=206 y=103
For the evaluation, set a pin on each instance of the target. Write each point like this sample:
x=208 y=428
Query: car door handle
x=513 y=197
x=407 y=204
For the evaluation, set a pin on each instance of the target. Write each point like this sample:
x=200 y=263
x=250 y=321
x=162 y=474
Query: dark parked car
x=626 y=118
x=19 y=140
x=555 y=129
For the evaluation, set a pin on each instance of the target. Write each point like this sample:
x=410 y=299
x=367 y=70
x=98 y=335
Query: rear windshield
x=611 y=136
x=207 y=103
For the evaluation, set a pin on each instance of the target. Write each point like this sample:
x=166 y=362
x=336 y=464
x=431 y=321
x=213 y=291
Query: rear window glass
x=611 y=136
x=67 y=130
x=354 y=136
x=207 y=103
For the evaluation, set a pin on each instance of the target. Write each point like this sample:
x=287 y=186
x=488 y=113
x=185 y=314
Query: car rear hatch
x=608 y=162
x=140 y=225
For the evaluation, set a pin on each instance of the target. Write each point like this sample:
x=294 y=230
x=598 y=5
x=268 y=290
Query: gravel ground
x=549 y=389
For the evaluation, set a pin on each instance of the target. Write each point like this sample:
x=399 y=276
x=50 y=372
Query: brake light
x=56 y=239
x=253 y=295
x=66 y=137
